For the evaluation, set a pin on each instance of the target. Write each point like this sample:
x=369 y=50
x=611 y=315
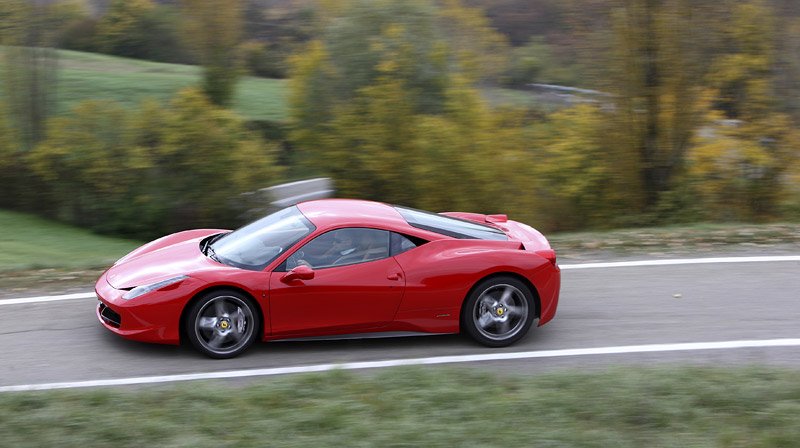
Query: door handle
x=393 y=276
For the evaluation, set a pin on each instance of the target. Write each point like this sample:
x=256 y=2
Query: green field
x=84 y=76
x=430 y=407
x=28 y=242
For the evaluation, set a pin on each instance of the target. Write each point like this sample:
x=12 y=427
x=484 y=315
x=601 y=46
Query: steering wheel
x=296 y=259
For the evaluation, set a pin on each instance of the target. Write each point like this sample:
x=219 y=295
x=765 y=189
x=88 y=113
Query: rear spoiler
x=496 y=218
x=477 y=217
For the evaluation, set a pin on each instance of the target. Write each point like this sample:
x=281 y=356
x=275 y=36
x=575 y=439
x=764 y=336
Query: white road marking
x=410 y=362
x=625 y=264
x=618 y=264
x=80 y=295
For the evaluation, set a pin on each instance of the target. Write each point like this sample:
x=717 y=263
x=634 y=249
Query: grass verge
x=677 y=407
x=31 y=243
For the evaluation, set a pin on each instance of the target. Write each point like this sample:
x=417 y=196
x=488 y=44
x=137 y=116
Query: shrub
x=153 y=170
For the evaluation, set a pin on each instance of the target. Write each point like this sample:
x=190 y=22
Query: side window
x=341 y=247
x=402 y=243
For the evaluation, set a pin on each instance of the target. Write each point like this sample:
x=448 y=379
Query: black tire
x=499 y=311
x=223 y=323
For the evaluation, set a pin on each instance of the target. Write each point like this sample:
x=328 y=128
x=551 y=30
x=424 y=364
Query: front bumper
x=154 y=317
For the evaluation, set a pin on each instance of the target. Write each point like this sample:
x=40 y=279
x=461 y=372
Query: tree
x=521 y=20
x=651 y=56
x=29 y=69
x=536 y=61
x=8 y=142
x=356 y=35
x=386 y=140
x=361 y=142
x=742 y=76
x=365 y=96
x=741 y=161
x=655 y=86
x=87 y=159
x=213 y=30
x=205 y=158
x=124 y=29
x=131 y=28
x=152 y=170
x=581 y=179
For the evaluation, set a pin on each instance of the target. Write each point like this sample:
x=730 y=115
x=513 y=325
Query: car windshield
x=257 y=244
x=445 y=225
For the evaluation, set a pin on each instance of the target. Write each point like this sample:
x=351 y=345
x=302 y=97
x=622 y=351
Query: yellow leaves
x=385 y=102
x=739 y=169
x=8 y=139
x=186 y=157
x=743 y=77
x=752 y=24
x=213 y=28
x=14 y=14
x=378 y=145
x=481 y=50
x=253 y=165
x=394 y=31
x=387 y=66
x=122 y=23
x=88 y=145
x=311 y=74
x=578 y=170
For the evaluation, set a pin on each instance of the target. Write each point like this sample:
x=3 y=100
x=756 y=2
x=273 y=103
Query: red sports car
x=334 y=267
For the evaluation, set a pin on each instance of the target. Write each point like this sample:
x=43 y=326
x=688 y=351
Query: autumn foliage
x=693 y=116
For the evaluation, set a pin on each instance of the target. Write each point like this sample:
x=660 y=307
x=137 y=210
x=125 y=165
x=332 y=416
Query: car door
x=356 y=285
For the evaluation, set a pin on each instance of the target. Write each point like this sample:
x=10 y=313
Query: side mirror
x=301 y=272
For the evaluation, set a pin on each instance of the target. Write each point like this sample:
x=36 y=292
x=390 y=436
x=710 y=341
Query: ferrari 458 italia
x=334 y=267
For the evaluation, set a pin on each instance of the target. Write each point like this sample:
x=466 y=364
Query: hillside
x=84 y=76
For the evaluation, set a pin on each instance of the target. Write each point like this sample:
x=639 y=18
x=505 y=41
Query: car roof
x=327 y=213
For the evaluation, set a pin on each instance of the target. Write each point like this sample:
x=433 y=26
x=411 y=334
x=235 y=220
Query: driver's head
x=342 y=240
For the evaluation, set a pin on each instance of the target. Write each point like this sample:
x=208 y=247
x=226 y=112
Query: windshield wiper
x=216 y=237
x=208 y=250
x=211 y=254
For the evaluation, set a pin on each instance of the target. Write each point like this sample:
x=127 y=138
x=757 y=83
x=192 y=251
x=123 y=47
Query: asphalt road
x=63 y=342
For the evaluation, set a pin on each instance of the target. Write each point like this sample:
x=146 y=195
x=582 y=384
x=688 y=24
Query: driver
x=342 y=244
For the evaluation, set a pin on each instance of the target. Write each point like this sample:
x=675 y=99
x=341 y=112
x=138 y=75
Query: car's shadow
x=326 y=351
x=371 y=344
x=115 y=343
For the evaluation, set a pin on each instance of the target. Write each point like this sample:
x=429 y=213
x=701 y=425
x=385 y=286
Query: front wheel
x=222 y=324
x=499 y=311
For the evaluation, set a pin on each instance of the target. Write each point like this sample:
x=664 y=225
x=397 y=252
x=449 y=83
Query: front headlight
x=144 y=289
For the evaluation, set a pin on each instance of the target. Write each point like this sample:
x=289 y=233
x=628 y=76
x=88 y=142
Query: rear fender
x=439 y=274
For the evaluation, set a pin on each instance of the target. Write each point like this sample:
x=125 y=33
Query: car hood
x=182 y=258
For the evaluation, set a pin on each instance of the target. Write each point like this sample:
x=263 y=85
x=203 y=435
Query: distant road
x=602 y=307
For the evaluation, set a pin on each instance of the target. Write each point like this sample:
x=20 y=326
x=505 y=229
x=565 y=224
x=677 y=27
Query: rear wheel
x=499 y=311
x=222 y=324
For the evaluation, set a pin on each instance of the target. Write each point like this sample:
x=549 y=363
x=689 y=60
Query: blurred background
x=141 y=117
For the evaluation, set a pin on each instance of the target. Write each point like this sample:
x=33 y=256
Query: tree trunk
x=653 y=176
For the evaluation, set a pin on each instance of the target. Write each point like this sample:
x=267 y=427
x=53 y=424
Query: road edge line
x=650 y=348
